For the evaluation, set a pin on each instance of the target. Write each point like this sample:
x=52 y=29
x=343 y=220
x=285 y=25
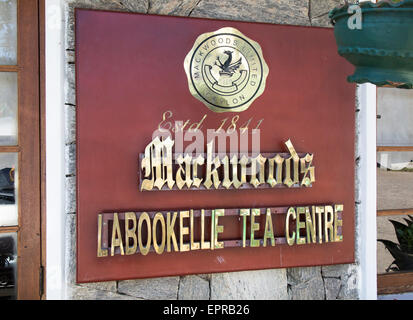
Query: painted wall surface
x=330 y=282
x=395 y=117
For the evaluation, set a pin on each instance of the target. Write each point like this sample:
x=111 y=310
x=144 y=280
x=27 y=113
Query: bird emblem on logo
x=228 y=68
x=225 y=82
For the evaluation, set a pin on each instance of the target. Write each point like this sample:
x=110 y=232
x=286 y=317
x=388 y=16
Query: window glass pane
x=8 y=189
x=8 y=108
x=8 y=32
x=395 y=111
x=8 y=266
x=394 y=180
x=402 y=250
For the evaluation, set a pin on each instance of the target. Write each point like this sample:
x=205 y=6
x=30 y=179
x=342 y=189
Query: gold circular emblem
x=226 y=70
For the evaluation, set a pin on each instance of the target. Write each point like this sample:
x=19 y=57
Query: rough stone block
x=311 y=290
x=299 y=275
x=319 y=10
x=70 y=249
x=70 y=124
x=280 y=12
x=85 y=293
x=261 y=284
x=101 y=286
x=172 y=7
x=305 y=283
x=350 y=284
x=347 y=276
x=153 y=289
x=70 y=84
x=323 y=7
x=193 y=288
x=70 y=194
x=332 y=288
x=134 y=5
x=70 y=159
x=334 y=271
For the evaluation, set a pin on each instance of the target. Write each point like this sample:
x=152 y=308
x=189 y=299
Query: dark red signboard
x=130 y=71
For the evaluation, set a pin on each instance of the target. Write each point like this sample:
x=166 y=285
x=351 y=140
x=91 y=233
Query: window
x=394 y=190
x=20 y=165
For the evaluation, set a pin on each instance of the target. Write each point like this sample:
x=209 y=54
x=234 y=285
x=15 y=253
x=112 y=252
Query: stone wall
x=329 y=282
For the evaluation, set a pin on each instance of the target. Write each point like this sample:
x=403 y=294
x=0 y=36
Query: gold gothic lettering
x=160 y=170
